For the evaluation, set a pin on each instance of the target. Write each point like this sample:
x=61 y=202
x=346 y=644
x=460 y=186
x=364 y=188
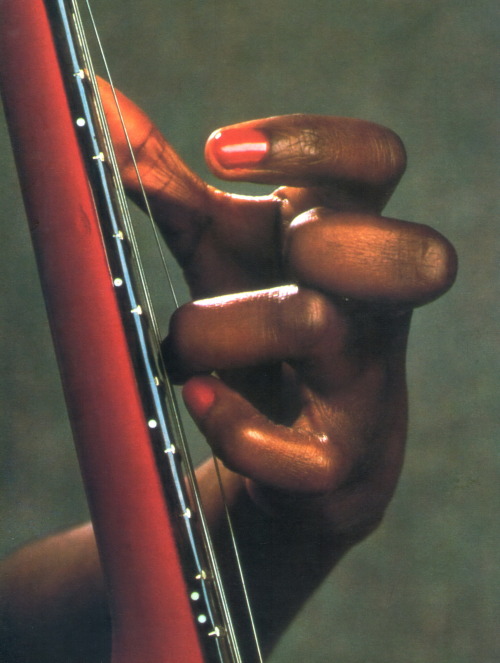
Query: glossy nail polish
x=239 y=147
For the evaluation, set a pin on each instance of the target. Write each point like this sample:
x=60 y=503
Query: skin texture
x=292 y=356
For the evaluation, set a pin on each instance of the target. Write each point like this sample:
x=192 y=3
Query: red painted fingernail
x=199 y=397
x=239 y=147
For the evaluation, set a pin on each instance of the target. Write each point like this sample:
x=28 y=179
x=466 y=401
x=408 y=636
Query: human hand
x=311 y=292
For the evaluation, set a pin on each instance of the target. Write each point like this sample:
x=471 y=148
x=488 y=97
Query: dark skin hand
x=292 y=353
x=311 y=292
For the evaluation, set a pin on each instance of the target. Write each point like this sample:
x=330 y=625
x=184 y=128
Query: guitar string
x=173 y=410
x=177 y=436
x=237 y=555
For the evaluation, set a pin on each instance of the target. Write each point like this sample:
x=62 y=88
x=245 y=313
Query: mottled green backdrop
x=424 y=588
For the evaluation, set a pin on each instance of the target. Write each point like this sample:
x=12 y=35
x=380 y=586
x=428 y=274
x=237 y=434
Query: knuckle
x=326 y=474
x=235 y=440
x=314 y=320
x=391 y=154
x=438 y=265
x=301 y=145
x=315 y=314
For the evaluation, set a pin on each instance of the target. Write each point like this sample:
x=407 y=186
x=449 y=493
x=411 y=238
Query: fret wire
x=173 y=414
x=135 y=308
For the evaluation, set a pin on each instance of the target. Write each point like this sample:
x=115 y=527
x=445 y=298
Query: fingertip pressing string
x=199 y=397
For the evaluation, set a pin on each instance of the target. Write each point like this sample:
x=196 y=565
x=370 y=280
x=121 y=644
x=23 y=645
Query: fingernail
x=239 y=147
x=199 y=397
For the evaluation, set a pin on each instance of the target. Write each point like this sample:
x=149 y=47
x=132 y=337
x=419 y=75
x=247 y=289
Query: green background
x=424 y=588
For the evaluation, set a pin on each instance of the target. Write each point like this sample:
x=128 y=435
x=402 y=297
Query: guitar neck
x=164 y=607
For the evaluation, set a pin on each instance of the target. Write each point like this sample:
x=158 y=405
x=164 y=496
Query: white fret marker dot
x=118 y=282
x=202 y=619
x=152 y=423
x=80 y=122
x=195 y=596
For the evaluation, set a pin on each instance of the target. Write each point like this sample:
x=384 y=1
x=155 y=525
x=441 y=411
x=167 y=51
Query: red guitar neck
x=152 y=617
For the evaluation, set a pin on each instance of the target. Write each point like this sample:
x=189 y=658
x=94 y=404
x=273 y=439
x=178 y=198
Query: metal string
x=172 y=408
x=161 y=421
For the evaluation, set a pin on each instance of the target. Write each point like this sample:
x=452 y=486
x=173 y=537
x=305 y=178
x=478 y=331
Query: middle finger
x=287 y=323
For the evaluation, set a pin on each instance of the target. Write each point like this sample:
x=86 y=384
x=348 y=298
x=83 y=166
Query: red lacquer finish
x=152 y=620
